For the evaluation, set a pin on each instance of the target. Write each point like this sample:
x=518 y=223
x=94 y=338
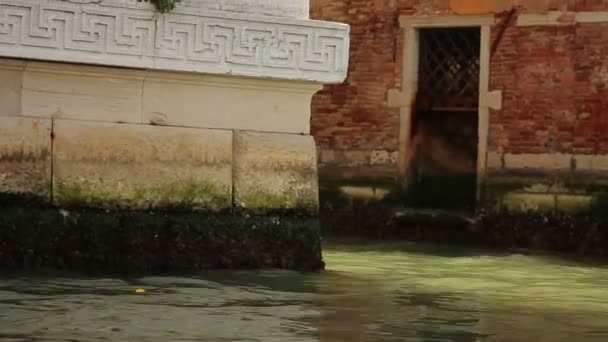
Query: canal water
x=370 y=292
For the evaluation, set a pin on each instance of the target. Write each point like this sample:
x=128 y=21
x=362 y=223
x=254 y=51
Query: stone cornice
x=128 y=33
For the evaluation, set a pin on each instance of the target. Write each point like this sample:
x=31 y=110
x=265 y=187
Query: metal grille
x=449 y=69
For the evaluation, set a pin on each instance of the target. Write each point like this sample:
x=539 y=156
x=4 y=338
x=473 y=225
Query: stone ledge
x=107 y=94
x=538 y=161
x=446 y=20
x=54 y=90
x=561 y=18
x=531 y=177
x=547 y=161
x=365 y=192
x=337 y=173
x=131 y=34
x=529 y=202
x=194 y=101
x=275 y=8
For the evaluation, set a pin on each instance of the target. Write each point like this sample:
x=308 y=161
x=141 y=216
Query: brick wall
x=351 y=122
x=554 y=81
x=555 y=90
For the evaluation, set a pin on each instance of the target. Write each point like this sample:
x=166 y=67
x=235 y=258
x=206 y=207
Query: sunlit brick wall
x=554 y=80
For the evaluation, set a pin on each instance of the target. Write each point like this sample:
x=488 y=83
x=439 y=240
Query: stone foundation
x=108 y=165
x=535 y=210
x=128 y=242
x=139 y=141
x=542 y=148
x=140 y=198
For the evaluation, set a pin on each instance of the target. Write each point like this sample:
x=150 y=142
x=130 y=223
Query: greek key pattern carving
x=131 y=33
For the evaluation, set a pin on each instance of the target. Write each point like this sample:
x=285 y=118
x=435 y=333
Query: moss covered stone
x=25 y=156
x=161 y=242
x=274 y=171
x=261 y=202
x=133 y=166
x=510 y=215
x=189 y=194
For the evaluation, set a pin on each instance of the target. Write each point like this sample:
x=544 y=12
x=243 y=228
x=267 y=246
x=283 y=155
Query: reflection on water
x=389 y=292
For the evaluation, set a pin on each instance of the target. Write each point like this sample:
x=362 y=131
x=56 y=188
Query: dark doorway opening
x=444 y=136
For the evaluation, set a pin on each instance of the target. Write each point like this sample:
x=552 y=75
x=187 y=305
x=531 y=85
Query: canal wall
x=114 y=115
x=540 y=121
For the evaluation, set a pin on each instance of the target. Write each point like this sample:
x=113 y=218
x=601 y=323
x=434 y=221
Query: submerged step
x=434 y=216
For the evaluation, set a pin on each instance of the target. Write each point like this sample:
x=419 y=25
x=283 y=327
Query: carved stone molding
x=130 y=33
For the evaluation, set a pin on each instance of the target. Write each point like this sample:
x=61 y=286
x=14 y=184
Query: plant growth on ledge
x=165 y=6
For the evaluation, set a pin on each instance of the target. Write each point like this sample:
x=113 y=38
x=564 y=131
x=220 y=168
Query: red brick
x=549 y=75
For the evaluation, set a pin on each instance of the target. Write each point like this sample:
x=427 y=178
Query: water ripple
x=381 y=292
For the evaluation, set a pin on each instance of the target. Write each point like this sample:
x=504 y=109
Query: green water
x=382 y=292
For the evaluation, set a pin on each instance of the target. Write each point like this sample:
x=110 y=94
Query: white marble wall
x=109 y=103
x=109 y=137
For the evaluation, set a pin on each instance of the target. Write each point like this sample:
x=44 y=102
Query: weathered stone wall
x=161 y=141
x=127 y=170
x=568 y=183
x=104 y=137
x=548 y=143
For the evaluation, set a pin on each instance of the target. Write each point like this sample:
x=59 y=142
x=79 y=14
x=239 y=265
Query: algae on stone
x=25 y=157
x=275 y=171
x=189 y=194
x=155 y=242
x=260 y=201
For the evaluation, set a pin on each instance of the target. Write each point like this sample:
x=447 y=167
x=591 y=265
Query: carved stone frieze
x=131 y=33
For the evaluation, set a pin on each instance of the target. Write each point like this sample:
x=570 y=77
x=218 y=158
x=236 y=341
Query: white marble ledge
x=193 y=38
x=278 y=8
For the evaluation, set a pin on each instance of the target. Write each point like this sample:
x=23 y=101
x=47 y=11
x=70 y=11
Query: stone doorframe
x=402 y=98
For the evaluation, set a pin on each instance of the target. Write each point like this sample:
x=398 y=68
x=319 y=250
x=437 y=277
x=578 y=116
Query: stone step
x=434 y=217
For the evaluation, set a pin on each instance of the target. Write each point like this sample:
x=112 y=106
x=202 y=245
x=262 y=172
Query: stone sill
x=276 y=8
x=125 y=33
